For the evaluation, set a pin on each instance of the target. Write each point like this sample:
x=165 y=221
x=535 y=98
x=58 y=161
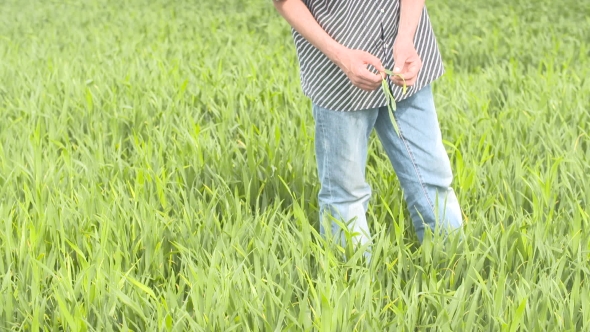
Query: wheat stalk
x=391 y=106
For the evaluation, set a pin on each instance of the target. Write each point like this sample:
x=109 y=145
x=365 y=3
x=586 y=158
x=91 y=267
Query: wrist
x=404 y=39
x=334 y=52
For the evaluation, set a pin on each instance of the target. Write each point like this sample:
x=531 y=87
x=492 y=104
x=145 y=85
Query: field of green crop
x=157 y=174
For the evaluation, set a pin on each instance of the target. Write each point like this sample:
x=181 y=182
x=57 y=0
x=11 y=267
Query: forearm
x=410 y=13
x=299 y=17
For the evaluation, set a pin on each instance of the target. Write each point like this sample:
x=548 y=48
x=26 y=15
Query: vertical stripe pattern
x=368 y=25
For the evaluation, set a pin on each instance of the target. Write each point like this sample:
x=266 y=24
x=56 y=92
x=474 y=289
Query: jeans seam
x=412 y=159
x=326 y=169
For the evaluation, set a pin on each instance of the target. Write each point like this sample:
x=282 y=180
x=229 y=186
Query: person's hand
x=354 y=64
x=407 y=62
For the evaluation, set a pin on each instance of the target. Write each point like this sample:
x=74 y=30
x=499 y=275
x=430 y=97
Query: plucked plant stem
x=391 y=106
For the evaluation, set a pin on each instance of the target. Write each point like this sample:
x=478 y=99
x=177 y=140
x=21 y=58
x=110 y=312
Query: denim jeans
x=417 y=155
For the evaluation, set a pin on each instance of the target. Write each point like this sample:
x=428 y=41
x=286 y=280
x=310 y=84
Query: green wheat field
x=157 y=173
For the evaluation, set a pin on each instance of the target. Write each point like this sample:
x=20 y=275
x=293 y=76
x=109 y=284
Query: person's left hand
x=407 y=62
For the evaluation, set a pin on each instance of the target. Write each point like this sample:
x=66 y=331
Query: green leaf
x=390 y=73
x=518 y=315
x=390 y=104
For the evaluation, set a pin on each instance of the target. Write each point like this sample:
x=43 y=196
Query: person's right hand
x=354 y=64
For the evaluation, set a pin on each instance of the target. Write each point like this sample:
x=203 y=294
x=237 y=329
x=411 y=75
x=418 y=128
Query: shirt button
x=382 y=10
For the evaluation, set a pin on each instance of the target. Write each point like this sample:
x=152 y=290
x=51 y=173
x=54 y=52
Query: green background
x=157 y=174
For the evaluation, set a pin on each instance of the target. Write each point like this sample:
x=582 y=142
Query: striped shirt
x=371 y=26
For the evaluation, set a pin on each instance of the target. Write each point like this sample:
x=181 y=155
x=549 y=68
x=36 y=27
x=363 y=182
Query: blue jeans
x=418 y=158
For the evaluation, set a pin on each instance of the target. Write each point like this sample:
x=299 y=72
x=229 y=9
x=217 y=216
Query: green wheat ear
x=391 y=106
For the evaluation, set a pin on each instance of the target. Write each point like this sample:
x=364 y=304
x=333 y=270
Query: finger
x=413 y=66
x=370 y=78
x=407 y=76
x=368 y=86
x=400 y=82
x=365 y=86
x=399 y=65
x=370 y=59
x=411 y=82
x=406 y=82
x=412 y=72
x=399 y=79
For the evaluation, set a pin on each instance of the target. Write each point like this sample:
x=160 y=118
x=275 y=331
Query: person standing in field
x=337 y=42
